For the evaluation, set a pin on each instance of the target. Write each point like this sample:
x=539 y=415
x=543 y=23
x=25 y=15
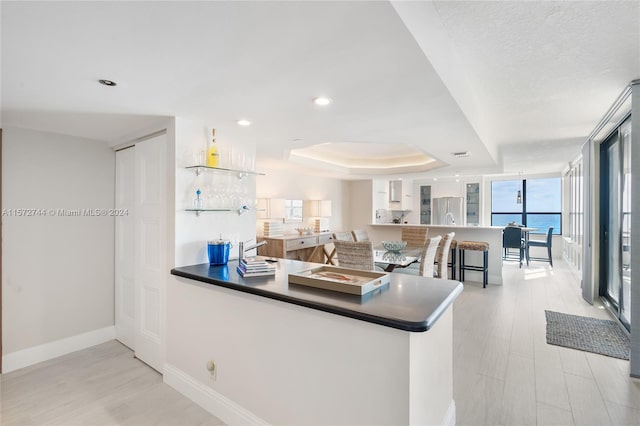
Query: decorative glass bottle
x=213 y=158
x=197 y=202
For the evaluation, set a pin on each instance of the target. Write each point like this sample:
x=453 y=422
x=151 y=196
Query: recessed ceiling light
x=461 y=154
x=322 y=101
x=107 y=82
x=435 y=179
x=244 y=123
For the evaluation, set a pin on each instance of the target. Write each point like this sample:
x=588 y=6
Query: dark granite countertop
x=409 y=302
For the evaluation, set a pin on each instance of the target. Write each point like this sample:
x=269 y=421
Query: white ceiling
x=519 y=84
x=365 y=158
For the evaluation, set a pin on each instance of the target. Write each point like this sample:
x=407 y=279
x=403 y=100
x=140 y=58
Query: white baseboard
x=47 y=351
x=450 y=416
x=212 y=401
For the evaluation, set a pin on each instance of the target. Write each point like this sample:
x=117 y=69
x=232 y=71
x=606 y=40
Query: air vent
x=461 y=154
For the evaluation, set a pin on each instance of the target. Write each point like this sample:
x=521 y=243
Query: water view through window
x=535 y=203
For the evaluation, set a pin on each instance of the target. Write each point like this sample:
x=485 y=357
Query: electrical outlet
x=211 y=367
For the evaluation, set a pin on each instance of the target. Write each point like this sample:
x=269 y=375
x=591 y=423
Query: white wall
x=191 y=231
x=299 y=186
x=360 y=207
x=268 y=353
x=293 y=365
x=57 y=271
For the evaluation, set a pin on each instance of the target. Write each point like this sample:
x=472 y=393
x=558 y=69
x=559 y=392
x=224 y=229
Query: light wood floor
x=102 y=385
x=504 y=371
x=506 y=374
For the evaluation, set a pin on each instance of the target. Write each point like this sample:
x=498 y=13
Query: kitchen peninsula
x=379 y=232
x=291 y=354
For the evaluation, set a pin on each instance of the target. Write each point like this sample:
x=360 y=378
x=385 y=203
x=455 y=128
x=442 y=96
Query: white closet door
x=151 y=250
x=125 y=264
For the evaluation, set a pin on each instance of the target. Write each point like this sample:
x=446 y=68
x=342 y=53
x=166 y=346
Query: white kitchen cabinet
x=384 y=191
x=473 y=203
x=402 y=194
x=407 y=195
x=380 y=189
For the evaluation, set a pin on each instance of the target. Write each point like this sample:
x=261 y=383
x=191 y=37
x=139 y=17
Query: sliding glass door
x=615 y=156
x=625 y=239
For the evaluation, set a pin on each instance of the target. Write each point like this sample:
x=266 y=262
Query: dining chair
x=442 y=256
x=415 y=236
x=512 y=238
x=342 y=236
x=538 y=243
x=338 y=236
x=355 y=254
x=360 y=235
x=427 y=267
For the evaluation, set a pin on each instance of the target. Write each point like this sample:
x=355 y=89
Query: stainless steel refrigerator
x=447 y=211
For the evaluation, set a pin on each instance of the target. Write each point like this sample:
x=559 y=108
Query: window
x=536 y=203
x=293 y=210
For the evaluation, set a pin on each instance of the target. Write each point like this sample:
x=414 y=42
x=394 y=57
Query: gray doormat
x=587 y=334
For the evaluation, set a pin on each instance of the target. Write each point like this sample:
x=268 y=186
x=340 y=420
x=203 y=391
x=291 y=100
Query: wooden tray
x=340 y=279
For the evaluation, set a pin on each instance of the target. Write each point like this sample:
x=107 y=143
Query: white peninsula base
x=280 y=363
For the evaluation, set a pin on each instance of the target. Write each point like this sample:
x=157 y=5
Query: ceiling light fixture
x=461 y=154
x=107 y=82
x=243 y=122
x=322 y=101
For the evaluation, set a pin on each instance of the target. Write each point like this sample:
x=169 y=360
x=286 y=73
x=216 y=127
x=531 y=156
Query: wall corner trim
x=26 y=357
x=217 y=404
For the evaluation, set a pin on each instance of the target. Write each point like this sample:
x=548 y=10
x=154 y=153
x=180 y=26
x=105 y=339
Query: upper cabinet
x=473 y=203
x=391 y=196
x=425 y=204
x=407 y=196
x=380 y=194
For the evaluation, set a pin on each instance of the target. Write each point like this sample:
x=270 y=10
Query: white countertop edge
x=440 y=226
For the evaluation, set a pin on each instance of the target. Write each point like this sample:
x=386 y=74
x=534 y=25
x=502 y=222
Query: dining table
x=526 y=231
x=396 y=259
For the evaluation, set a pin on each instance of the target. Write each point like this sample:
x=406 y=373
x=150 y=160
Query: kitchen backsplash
x=391 y=216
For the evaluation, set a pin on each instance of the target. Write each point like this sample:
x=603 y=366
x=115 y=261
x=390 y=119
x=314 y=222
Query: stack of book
x=273 y=228
x=255 y=267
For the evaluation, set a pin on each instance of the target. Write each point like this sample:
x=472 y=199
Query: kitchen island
x=291 y=354
x=379 y=232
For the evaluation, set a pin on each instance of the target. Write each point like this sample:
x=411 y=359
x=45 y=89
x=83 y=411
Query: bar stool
x=475 y=246
x=452 y=257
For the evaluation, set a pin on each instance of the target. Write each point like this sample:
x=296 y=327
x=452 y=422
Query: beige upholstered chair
x=339 y=236
x=429 y=256
x=360 y=235
x=415 y=236
x=442 y=256
x=355 y=254
x=342 y=236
